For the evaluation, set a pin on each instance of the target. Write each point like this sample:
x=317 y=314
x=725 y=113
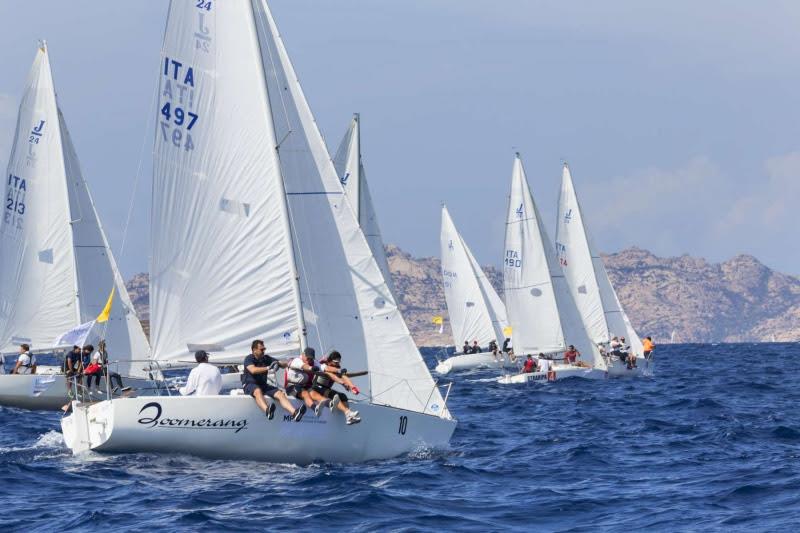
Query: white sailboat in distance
x=56 y=268
x=590 y=285
x=253 y=238
x=476 y=311
x=541 y=311
x=350 y=169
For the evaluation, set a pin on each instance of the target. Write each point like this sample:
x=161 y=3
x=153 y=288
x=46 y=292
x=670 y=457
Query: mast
x=357 y=123
x=284 y=204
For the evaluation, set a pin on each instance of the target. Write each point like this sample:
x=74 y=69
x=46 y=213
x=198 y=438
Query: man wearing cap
x=204 y=379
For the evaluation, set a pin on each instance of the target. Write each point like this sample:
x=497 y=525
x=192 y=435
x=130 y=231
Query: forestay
x=350 y=169
x=541 y=311
x=467 y=301
x=347 y=304
x=583 y=267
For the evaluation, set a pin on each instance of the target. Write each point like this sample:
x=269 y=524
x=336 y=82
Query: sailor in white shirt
x=26 y=363
x=204 y=379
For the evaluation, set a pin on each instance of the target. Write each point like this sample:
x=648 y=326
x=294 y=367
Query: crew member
x=257 y=366
x=26 y=363
x=530 y=365
x=475 y=347
x=626 y=354
x=647 y=347
x=571 y=355
x=204 y=379
x=507 y=345
x=322 y=388
x=466 y=349
x=299 y=376
x=101 y=358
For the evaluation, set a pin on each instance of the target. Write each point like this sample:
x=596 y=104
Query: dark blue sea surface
x=711 y=443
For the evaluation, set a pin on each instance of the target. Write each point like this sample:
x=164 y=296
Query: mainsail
x=588 y=280
x=475 y=310
x=350 y=169
x=56 y=268
x=253 y=236
x=541 y=311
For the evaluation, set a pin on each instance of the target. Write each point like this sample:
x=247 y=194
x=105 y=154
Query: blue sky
x=679 y=119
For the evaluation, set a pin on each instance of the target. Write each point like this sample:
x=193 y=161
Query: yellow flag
x=438 y=320
x=103 y=316
x=507 y=331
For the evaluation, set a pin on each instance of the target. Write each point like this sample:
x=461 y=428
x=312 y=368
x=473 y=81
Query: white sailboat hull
x=232 y=427
x=556 y=373
x=471 y=361
x=45 y=391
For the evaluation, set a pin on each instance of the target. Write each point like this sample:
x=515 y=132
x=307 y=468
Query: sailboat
x=350 y=169
x=589 y=283
x=253 y=238
x=541 y=311
x=56 y=268
x=476 y=311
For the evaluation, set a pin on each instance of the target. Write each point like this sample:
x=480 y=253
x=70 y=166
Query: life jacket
x=31 y=363
x=300 y=378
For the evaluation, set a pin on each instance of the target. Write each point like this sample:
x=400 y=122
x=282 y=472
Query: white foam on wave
x=50 y=440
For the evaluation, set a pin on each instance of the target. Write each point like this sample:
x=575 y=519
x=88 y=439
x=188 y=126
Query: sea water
x=711 y=443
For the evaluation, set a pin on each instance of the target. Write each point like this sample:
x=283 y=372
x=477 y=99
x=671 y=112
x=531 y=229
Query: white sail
x=347 y=302
x=540 y=308
x=583 y=267
x=253 y=236
x=350 y=169
x=38 y=292
x=495 y=306
x=98 y=275
x=221 y=272
x=55 y=251
x=467 y=302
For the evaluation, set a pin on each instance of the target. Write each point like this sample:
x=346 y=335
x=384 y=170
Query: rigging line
x=261 y=20
x=136 y=179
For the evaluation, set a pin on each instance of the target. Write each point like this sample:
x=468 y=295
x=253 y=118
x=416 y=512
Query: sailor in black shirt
x=257 y=366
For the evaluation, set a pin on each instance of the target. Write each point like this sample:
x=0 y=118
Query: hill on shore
x=737 y=300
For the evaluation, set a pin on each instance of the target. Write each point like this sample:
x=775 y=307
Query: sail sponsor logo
x=36 y=134
x=520 y=210
x=513 y=259
x=344 y=178
x=568 y=216
x=153 y=419
x=450 y=245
